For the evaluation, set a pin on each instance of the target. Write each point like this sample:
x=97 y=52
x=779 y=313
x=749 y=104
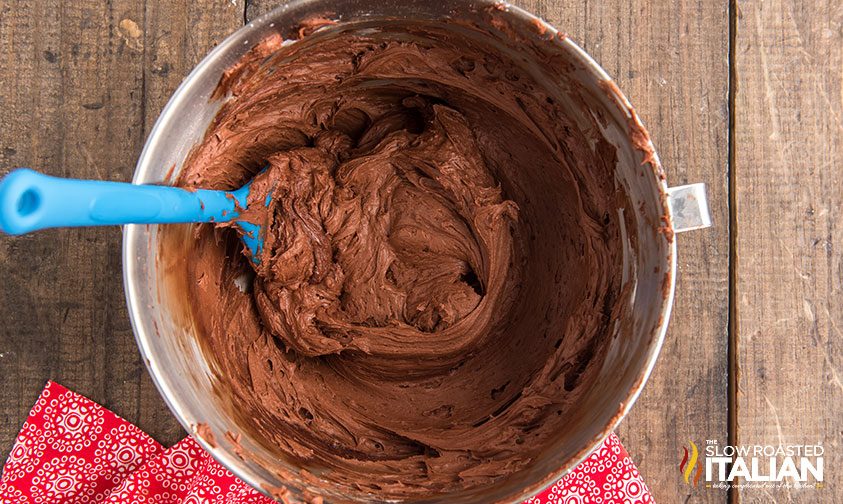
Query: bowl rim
x=133 y=233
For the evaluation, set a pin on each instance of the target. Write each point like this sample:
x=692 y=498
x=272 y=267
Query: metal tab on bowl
x=689 y=207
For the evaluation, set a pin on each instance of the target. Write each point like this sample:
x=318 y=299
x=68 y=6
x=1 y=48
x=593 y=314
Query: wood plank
x=257 y=8
x=83 y=82
x=71 y=108
x=31 y=76
x=789 y=189
x=671 y=59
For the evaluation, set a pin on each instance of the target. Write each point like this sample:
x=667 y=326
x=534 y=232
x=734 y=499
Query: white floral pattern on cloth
x=607 y=476
x=72 y=422
x=72 y=450
x=123 y=449
x=25 y=455
x=184 y=474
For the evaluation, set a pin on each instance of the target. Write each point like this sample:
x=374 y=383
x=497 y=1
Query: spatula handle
x=30 y=201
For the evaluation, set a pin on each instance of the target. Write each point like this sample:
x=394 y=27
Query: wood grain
x=71 y=107
x=83 y=81
x=789 y=178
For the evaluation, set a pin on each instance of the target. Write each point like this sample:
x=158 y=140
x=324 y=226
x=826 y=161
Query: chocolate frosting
x=441 y=264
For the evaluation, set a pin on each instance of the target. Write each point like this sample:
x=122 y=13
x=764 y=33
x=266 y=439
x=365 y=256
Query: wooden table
x=746 y=97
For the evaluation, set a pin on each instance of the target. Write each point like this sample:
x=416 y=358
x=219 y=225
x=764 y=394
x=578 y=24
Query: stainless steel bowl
x=184 y=375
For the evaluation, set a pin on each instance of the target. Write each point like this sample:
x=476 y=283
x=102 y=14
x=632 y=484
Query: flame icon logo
x=686 y=467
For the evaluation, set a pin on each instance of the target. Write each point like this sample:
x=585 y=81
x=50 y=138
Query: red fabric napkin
x=72 y=450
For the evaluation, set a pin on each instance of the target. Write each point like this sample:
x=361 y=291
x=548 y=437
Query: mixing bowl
x=184 y=373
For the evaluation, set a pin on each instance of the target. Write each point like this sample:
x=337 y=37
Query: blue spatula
x=30 y=201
